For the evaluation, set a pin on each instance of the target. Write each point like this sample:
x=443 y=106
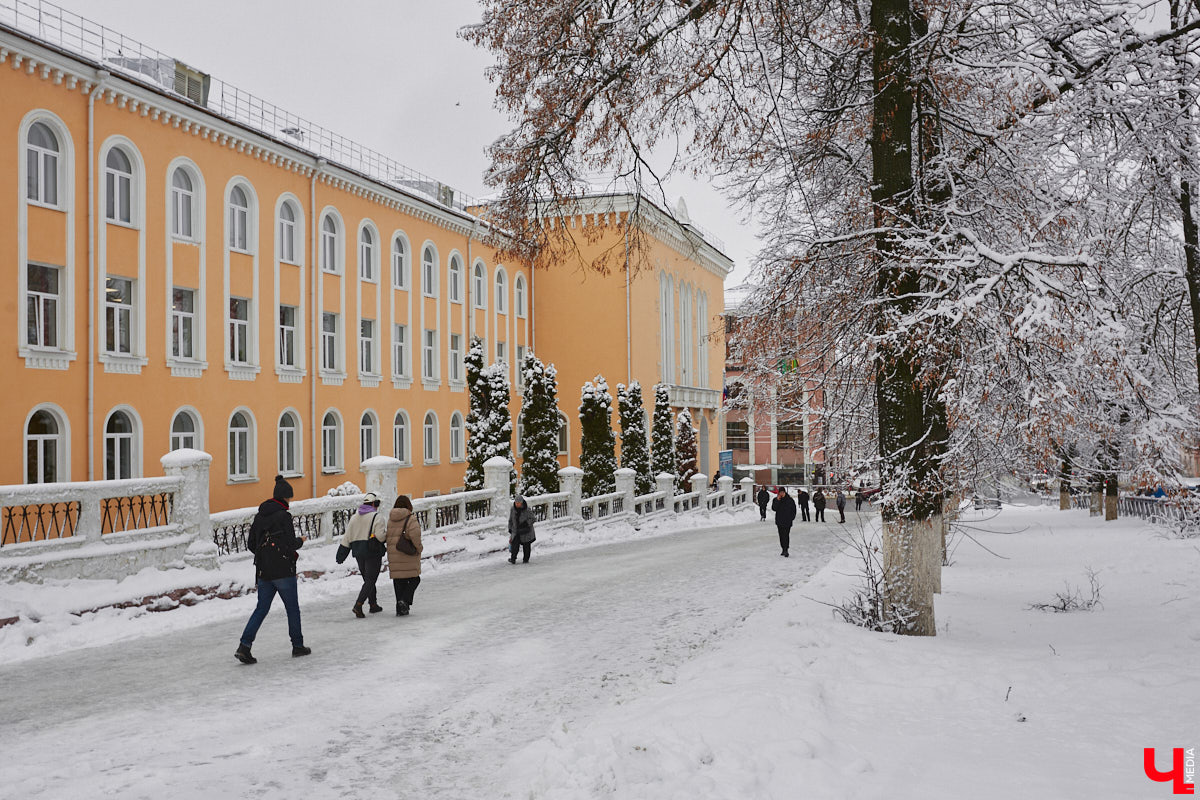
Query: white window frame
x=287 y=336
x=239 y=332
x=454 y=280
x=181 y=319
x=519 y=361
x=429 y=438
x=501 y=286
x=118 y=189
x=189 y=439
x=564 y=435
x=366 y=254
x=133 y=439
x=457 y=438
x=429 y=359
x=368 y=436
x=400 y=347
x=284 y=448
x=429 y=287
x=40 y=161
x=330 y=352
x=457 y=359
x=43 y=301
x=287 y=233
x=479 y=287
x=520 y=297
x=120 y=317
x=183 y=205
x=240 y=235
x=43 y=442
x=400 y=265
x=331 y=442
x=330 y=252
x=402 y=447
x=240 y=443
x=366 y=347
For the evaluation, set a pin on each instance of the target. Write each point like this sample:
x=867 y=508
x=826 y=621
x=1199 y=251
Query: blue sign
x=725 y=463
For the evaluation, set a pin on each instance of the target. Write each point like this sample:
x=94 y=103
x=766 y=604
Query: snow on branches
x=634 y=448
x=597 y=456
x=662 y=435
x=539 y=427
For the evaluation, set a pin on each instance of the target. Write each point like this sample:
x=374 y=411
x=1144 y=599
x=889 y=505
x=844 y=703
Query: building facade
x=192 y=269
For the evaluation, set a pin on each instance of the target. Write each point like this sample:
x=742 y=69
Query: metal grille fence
x=136 y=512
x=38 y=522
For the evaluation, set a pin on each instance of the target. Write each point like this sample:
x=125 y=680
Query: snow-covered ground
x=692 y=664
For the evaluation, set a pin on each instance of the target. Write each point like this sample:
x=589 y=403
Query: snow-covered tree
x=597 y=452
x=539 y=427
x=489 y=424
x=634 y=451
x=662 y=435
x=685 y=450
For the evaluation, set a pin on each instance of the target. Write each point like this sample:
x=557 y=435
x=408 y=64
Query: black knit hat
x=283 y=489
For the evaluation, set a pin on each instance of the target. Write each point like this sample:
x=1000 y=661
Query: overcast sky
x=390 y=74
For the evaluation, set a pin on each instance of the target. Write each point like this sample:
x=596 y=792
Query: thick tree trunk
x=1110 y=499
x=1064 y=497
x=911 y=514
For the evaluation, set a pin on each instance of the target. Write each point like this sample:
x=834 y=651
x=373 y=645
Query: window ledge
x=47 y=206
x=332 y=378
x=122 y=224
x=332 y=471
x=369 y=381
x=289 y=374
x=401 y=382
x=430 y=385
x=234 y=480
x=292 y=474
x=455 y=386
x=432 y=463
x=186 y=367
x=37 y=358
x=177 y=239
x=242 y=372
x=123 y=364
x=240 y=251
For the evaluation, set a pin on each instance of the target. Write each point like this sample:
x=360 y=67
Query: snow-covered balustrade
x=647 y=505
x=550 y=509
x=319 y=519
x=467 y=511
x=683 y=503
x=602 y=506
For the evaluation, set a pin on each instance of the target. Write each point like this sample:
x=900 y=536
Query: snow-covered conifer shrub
x=539 y=427
x=489 y=425
x=635 y=454
x=685 y=450
x=597 y=452
x=662 y=437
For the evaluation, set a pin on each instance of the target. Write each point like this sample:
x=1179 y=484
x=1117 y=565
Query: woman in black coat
x=819 y=506
x=520 y=530
x=785 y=514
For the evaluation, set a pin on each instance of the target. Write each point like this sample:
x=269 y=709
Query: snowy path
x=430 y=705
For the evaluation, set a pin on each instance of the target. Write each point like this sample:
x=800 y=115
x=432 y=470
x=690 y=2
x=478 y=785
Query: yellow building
x=193 y=267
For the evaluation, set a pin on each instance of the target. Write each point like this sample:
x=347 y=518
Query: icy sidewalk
x=38 y=620
x=1006 y=702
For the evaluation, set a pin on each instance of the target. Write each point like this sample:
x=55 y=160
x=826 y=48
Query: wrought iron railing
x=135 y=512
x=38 y=522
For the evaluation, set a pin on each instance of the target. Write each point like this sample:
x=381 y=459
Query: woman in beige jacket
x=405 y=568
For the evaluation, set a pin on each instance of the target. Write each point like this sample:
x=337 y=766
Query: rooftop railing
x=72 y=33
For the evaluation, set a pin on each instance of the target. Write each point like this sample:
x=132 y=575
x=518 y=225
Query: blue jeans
x=286 y=587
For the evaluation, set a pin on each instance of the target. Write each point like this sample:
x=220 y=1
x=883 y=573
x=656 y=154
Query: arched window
x=240 y=446
x=479 y=286
x=331 y=442
x=429 y=272
x=456 y=437
x=239 y=220
x=400 y=437
x=562 y=434
x=118 y=186
x=399 y=263
x=366 y=255
x=289 y=444
x=519 y=299
x=44 y=446
x=430 y=429
x=329 y=244
x=287 y=232
x=183 y=202
x=185 y=432
x=501 y=292
x=455 y=280
x=368 y=435
x=120 y=446
x=41 y=160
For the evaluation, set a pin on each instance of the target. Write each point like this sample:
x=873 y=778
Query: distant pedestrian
x=802 y=499
x=785 y=514
x=1159 y=492
x=520 y=530
x=364 y=538
x=273 y=540
x=841 y=505
x=858 y=500
x=763 y=498
x=819 y=505
x=404 y=553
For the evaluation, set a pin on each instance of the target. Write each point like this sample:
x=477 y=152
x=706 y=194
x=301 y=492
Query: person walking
x=802 y=498
x=273 y=540
x=858 y=500
x=785 y=514
x=762 y=498
x=841 y=505
x=404 y=553
x=818 y=501
x=520 y=530
x=364 y=538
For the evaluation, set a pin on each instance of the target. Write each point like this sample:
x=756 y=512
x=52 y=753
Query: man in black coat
x=273 y=540
x=803 y=498
x=785 y=514
x=763 y=498
x=819 y=505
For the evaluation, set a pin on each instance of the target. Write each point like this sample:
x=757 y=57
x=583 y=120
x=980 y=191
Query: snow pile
x=1006 y=701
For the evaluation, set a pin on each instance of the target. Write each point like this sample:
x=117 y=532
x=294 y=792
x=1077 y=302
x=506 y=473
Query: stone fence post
x=626 y=479
x=381 y=472
x=191 y=509
x=699 y=483
x=570 y=480
x=665 y=482
x=497 y=475
x=725 y=487
x=748 y=489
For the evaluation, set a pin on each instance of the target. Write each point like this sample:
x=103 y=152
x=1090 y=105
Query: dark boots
x=300 y=650
x=243 y=655
x=358 y=612
x=376 y=608
x=401 y=608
